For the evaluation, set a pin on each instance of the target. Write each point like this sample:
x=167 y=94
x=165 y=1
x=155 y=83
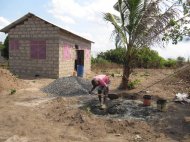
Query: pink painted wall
x=87 y=54
x=67 y=52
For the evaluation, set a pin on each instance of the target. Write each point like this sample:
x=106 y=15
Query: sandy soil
x=29 y=115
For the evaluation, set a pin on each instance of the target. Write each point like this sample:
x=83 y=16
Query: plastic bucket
x=80 y=70
x=147 y=100
x=161 y=105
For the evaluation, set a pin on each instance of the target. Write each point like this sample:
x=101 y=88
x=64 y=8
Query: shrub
x=113 y=55
x=100 y=63
x=142 y=58
x=170 y=63
x=13 y=91
x=5 y=48
x=133 y=84
x=180 y=61
x=147 y=58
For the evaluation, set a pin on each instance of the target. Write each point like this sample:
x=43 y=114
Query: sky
x=82 y=17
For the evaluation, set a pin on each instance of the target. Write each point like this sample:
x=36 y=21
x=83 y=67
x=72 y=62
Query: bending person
x=102 y=82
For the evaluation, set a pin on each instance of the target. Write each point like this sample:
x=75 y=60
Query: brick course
x=54 y=65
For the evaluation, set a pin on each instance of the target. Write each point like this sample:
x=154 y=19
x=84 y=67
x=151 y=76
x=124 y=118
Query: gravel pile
x=68 y=86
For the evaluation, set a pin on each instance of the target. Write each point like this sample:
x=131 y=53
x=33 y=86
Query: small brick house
x=38 y=47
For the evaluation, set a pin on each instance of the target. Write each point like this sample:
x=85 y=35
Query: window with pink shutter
x=38 y=49
x=34 y=52
x=14 y=45
x=42 y=53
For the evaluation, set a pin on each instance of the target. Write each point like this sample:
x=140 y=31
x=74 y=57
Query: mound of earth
x=68 y=86
x=180 y=80
x=184 y=74
x=9 y=81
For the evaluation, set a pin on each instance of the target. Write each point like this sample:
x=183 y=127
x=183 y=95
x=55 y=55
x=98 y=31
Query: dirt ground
x=29 y=115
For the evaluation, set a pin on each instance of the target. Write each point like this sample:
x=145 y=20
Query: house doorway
x=79 y=59
x=79 y=63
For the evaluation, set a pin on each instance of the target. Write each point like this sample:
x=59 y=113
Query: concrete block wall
x=87 y=61
x=66 y=67
x=20 y=60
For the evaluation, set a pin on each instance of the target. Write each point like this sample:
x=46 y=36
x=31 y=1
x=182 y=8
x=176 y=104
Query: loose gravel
x=68 y=86
x=122 y=108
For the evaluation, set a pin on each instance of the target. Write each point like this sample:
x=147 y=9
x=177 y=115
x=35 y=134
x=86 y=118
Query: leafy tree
x=170 y=63
x=147 y=58
x=113 y=55
x=142 y=23
x=1 y=46
x=180 y=60
x=144 y=57
x=5 y=49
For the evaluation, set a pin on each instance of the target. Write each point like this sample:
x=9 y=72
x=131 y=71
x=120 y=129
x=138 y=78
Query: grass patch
x=12 y=91
x=133 y=84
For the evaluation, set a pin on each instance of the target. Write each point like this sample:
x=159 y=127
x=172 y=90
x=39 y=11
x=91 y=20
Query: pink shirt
x=103 y=80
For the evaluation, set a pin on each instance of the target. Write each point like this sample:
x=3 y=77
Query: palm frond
x=111 y=18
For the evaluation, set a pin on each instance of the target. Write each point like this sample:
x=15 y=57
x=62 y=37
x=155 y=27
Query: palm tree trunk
x=126 y=69
x=125 y=78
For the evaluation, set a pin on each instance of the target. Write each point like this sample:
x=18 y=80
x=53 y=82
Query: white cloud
x=65 y=19
x=88 y=19
x=85 y=35
x=69 y=7
x=66 y=9
x=174 y=51
x=3 y=22
x=91 y=11
x=96 y=29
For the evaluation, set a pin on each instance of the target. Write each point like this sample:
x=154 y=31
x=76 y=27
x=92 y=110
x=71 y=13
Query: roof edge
x=28 y=15
x=23 y=18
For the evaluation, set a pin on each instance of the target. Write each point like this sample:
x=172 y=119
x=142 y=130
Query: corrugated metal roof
x=25 y=17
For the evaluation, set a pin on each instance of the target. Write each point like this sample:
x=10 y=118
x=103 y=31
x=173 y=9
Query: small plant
x=87 y=110
x=132 y=84
x=13 y=91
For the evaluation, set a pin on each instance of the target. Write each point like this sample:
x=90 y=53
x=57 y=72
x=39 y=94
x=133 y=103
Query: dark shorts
x=103 y=90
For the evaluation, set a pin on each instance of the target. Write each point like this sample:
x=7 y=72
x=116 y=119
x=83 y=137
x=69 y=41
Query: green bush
x=12 y=91
x=133 y=84
x=170 y=63
x=142 y=58
x=113 y=55
x=1 y=46
x=98 y=61
x=180 y=61
x=147 y=58
x=5 y=48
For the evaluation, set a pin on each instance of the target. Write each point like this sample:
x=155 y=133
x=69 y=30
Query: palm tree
x=142 y=23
